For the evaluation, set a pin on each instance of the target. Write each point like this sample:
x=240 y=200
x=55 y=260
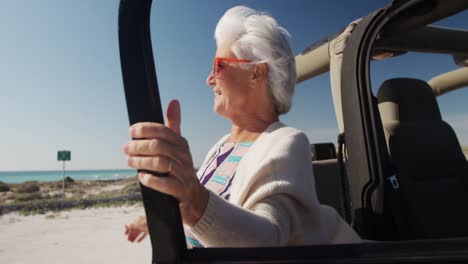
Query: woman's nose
x=210 y=80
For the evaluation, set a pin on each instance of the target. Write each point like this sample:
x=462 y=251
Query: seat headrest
x=407 y=100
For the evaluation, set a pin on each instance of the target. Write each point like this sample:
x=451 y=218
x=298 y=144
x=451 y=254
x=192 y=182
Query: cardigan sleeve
x=225 y=224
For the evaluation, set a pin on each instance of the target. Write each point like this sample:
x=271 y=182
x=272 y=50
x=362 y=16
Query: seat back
x=428 y=197
x=328 y=183
x=327 y=174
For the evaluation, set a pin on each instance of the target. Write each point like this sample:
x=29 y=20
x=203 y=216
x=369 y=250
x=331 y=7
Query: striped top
x=218 y=174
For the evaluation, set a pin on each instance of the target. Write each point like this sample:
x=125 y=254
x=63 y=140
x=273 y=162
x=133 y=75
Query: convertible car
x=398 y=176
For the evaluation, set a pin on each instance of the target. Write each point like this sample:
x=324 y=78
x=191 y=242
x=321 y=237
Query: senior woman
x=256 y=185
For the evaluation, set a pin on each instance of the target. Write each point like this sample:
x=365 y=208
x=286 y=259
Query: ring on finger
x=170 y=166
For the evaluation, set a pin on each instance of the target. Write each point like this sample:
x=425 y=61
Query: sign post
x=63 y=155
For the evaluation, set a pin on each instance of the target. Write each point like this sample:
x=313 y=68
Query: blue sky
x=61 y=84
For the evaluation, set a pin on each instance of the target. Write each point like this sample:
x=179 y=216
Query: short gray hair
x=258 y=37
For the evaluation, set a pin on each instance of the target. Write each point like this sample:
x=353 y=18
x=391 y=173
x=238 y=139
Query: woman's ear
x=260 y=72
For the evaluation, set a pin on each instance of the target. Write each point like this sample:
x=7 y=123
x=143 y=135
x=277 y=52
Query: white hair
x=258 y=37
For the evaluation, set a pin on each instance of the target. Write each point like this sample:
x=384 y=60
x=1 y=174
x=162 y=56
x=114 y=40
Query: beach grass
x=58 y=205
x=41 y=197
x=4 y=187
x=27 y=187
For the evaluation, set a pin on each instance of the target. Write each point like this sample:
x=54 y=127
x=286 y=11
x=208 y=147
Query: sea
x=48 y=176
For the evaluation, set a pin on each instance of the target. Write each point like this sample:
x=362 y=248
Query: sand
x=94 y=235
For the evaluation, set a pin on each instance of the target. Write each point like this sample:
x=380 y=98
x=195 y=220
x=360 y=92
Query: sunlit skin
x=240 y=95
x=137 y=230
x=154 y=147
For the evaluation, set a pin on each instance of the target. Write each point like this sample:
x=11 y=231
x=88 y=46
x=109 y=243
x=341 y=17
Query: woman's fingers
x=152 y=147
x=160 y=164
x=142 y=236
x=146 y=130
x=141 y=224
x=133 y=234
x=173 y=116
x=168 y=185
x=162 y=149
x=136 y=230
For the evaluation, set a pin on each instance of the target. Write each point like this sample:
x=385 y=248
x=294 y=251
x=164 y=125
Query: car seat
x=428 y=193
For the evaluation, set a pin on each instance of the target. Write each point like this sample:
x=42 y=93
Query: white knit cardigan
x=273 y=200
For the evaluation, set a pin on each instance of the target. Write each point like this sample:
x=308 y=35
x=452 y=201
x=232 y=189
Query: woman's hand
x=162 y=149
x=138 y=228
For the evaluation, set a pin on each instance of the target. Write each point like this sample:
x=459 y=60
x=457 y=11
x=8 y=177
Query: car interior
x=425 y=156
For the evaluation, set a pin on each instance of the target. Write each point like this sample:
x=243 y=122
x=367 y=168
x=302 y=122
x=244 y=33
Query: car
x=400 y=177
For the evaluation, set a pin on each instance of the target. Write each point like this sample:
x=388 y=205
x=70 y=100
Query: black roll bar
x=144 y=105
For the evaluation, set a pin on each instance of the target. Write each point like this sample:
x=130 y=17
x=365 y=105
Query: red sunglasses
x=217 y=60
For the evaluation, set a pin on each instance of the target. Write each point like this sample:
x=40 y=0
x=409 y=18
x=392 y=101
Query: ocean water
x=47 y=176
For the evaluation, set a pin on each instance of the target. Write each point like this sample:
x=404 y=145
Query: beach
x=84 y=224
x=77 y=236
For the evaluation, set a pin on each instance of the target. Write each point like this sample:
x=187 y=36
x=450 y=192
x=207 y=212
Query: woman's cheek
x=220 y=74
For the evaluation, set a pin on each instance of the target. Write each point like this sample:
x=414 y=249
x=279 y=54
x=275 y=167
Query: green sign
x=64 y=155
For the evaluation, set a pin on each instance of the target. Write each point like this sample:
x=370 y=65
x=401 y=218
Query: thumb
x=173 y=116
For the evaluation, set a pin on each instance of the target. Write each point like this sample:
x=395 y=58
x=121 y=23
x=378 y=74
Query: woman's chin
x=219 y=109
x=217 y=104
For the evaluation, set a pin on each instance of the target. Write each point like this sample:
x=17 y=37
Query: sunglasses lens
x=216 y=66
